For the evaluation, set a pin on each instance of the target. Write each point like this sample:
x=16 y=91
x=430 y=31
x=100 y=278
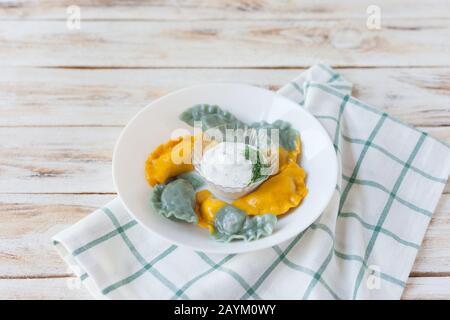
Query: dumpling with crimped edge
x=232 y=223
x=288 y=136
x=207 y=207
x=175 y=201
x=277 y=194
x=287 y=156
x=211 y=116
x=169 y=160
x=193 y=178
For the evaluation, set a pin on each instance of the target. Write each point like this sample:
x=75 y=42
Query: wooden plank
x=43 y=289
x=27 y=223
x=60 y=97
x=60 y=159
x=220 y=9
x=428 y=288
x=434 y=254
x=63 y=288
x=57 y=159
x=401 y=42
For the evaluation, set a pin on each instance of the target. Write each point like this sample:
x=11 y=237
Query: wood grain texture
x=400 y=42
x=70 y=97
x=57 y=159
x=43 y=289
x=427 y=288
x=27 y=223
x=220 y=9
x=421 y=288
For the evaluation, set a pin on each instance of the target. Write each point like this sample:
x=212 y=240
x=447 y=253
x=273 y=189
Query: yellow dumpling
x=169 y=160
x=278 y=194
x=207 y=207
x=286 y=156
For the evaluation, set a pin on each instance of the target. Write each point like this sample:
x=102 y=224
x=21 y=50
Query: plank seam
x=269 y=67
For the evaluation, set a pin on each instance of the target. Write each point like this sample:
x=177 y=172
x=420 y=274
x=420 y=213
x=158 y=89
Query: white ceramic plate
x=156 y=123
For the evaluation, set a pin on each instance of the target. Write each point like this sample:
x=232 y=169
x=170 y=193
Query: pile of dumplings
x=179 y=192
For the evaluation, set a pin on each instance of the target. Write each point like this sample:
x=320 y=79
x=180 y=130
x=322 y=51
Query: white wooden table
x=66 y=94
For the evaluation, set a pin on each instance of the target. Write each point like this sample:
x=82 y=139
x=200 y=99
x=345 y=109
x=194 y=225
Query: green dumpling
x=193 y=178
x=175 y=201
x=232 y=223
x=211 y=116
x=287 y=135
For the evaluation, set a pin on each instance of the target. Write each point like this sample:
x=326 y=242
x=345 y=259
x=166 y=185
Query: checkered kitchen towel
x=363 y=246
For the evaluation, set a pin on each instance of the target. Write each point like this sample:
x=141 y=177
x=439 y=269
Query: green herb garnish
x=256 y=166
x=256 y=169
x=247 y=152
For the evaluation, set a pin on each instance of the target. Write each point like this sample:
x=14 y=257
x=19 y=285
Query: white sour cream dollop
x=225 y=164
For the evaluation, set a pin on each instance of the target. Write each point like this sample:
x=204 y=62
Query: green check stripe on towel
x=363 y=246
